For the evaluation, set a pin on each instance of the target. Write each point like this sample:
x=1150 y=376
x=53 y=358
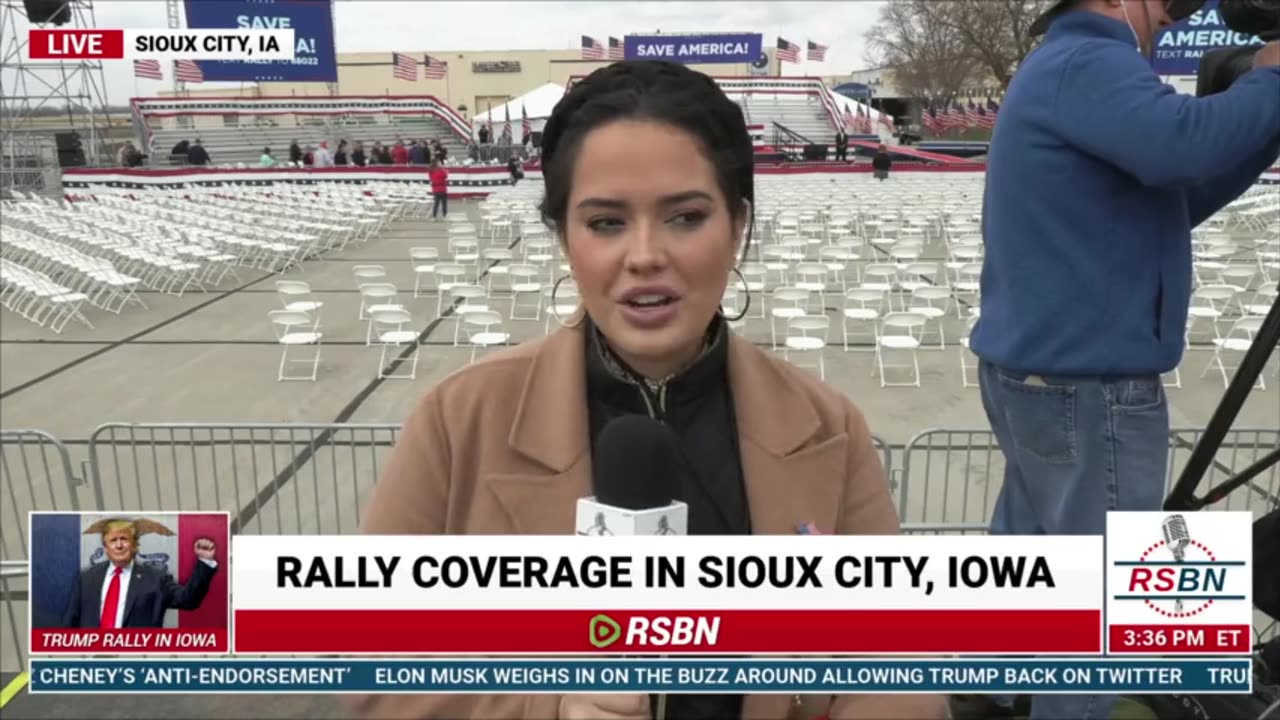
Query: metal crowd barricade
x=35 y=474
x=273 y=478
x=950 y=478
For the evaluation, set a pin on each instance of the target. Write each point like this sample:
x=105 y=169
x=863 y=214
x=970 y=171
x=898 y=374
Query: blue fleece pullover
x=1097 y=173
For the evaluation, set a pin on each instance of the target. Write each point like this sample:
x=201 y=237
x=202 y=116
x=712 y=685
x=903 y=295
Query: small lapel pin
x=807 y=529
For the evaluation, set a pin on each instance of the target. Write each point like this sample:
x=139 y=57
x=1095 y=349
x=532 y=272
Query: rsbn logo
x=1178 y=576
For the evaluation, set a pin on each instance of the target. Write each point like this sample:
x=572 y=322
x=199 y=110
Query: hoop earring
x=554 y=289
x=746 y=289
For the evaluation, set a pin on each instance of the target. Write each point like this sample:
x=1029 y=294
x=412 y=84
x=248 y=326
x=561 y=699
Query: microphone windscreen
x=636 y=464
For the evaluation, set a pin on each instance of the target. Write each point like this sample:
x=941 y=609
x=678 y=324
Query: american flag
x=788 y=51
x=983 y=120
x=887 y=121
x=434 y=68
x=187 y=71
x=506 y=129
x=929 y=118
x=850 y=122
x=817 y=53
x=592 y=49
x=149 y=69
x=864 y=120
x=617 y=51
x=974 y=117
x=404 y=67
x=993 y=109
x=526 y=127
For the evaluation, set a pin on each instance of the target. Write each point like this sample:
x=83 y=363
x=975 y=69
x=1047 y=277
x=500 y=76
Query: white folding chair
x=898 y=333
x=294 y=328
x=484 y=330
x=393 y=328
x=807 y=335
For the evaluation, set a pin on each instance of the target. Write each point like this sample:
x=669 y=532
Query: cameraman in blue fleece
x=1097 y=173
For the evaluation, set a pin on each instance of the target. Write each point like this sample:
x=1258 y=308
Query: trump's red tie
x=112 y=603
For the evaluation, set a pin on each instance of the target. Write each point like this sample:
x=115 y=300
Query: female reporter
x=649 y=188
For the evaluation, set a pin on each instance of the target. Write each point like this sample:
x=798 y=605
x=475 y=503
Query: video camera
x=1220 y=68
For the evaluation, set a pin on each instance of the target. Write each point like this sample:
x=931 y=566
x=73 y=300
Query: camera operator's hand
x=1268 y=55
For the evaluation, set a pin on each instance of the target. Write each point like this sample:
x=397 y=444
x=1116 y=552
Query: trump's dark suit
x=151 y=592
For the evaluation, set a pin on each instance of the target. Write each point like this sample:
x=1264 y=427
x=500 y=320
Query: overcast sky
x=383 y=26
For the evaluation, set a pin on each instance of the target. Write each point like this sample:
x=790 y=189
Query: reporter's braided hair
x=648 y=90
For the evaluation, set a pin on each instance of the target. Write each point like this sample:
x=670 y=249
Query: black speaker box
x=43 y=12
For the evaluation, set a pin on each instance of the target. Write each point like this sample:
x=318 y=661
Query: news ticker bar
x=1064 y=676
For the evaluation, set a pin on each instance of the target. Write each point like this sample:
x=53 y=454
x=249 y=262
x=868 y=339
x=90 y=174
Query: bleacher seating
x=235 y=130
x=802 y=114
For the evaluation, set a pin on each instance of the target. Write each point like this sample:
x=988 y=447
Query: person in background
x=197 y=155
x=295 y=152
x=357 y=155
x=418 y=152
x=484 y=134
x=125 y=155
x=340 y=157
x=882 y=163
x=267 y=160
x=842 y=145
x=384 y=157
x=309 y=157
x=440 y=152
x=1097 y=173
x=649 y=177
x=323 y=157
x=400 y=153
x=439 y=190
x=178 y=155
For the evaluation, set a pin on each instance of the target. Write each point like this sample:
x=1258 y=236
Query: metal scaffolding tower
x=40 y=99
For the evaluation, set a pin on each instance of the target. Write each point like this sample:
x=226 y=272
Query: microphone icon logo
x=664 y=528
x=1176 y=538
x=599 y=528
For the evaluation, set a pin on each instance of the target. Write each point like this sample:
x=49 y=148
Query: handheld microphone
x=636 y=471
x=1177 y=538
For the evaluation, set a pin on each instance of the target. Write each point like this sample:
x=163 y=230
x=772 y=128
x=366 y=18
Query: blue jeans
x=1074 y=448
x=440 y=204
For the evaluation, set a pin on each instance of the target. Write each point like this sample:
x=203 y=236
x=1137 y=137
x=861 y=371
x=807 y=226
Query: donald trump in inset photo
x=125 y=593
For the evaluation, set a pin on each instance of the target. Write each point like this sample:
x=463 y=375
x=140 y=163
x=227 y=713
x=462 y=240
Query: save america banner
x=695 y=49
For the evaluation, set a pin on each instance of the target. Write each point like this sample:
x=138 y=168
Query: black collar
x=612 y=381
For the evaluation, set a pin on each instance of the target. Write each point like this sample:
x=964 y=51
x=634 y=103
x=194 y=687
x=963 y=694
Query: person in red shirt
x=439 y=190
x=400 y=153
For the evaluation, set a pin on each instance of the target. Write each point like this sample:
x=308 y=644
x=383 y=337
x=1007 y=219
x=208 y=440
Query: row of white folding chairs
x=96 y=277
x=151 y=260
x=38 y=298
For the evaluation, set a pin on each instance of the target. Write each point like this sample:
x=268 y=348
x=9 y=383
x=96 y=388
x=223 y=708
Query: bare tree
x=929 y=58
x=994 y=32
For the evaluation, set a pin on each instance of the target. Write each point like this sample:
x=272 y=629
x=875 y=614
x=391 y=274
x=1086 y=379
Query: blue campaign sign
x=314 y=60
x=695 y=49
x=1179 y=48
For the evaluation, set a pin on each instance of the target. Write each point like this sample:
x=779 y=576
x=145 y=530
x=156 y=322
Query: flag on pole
x=929 y=118
x=817 y=53
x=887 y=121
x=526 y=127
x=971 y=111
x=187 y=71
x=506 y=129
x=592 y=49
x=850 y=122
x=435 y=68
x=404 y=67
x=488 y=120
x=993 y=109
x=788 y=51
x=149 y=69
x=617 y=50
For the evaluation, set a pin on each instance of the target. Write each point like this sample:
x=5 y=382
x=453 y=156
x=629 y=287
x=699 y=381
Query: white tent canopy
x=537 y=103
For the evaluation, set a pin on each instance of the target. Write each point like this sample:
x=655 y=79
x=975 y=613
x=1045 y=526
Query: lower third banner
x=533 y=675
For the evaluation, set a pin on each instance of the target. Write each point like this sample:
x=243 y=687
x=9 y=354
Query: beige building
x=476 y=79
